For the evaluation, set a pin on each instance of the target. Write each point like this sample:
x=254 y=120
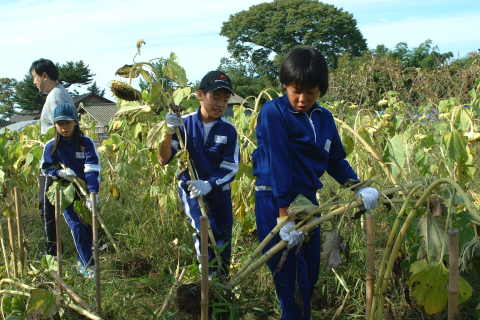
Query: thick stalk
x=282 y=244
x=4 y=250
x=75 y=297
x=13 y=246
x=21 y=249
x=378 y=297
x=98 y=288
x=370 y=277
x=473 y=214
x=58 y=199
x=204 y=264
x=453 y=274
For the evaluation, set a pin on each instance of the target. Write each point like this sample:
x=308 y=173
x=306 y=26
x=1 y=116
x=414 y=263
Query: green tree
x=7 y=93
x=28 y=98
x=246 y=81
x=273 y=28
x=95 y=90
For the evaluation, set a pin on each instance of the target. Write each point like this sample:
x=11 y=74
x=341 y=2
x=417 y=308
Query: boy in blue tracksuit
x=71 y=154
x=214 y=153
x=297 y=142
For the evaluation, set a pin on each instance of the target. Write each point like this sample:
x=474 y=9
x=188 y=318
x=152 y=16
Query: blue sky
x=103 y=33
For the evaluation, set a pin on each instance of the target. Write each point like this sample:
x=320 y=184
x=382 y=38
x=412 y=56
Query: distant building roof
x=101 y=112
x=23 y=117
x=19 y=125
x=89 y=98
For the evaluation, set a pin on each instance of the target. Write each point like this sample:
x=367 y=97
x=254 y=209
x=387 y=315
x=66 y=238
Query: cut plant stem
x=58 y=200
x=370 y=277
x=13 y=246
x=4 y=250
x=453 y=274
x=204 y=264
x=93 y=199
x=21 y=249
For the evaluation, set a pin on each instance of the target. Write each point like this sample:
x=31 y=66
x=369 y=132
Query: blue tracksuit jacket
x=294 y=150
x=216 y=161
x=85 y=163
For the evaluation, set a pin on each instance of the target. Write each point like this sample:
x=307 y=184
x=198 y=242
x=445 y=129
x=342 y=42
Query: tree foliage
x=28 y=98
x=426 y=55
x=95 y=90
x=276 y=27
x=7 y=92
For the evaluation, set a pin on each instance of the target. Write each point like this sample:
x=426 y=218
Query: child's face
x=213 y=103
x=65 y=128
x=301 y=99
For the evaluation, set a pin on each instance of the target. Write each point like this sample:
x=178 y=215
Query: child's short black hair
x=44 y=65
x=305 y=68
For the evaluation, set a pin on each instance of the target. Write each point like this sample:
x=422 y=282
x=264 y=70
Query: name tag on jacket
x=80 y=155
x=221 y=139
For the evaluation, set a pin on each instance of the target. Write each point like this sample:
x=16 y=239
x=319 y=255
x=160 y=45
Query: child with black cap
x=78 y=155
x=214 y=153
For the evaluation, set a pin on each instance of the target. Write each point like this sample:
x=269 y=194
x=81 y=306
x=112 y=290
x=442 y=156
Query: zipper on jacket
x=311 y=123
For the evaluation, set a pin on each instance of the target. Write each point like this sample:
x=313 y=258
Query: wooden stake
x=204 y=264
x=4 y=251
x=453 y=274
x=21 y=249
x=93 y=199
x=58 y=200
x=13 y=246
x=370 y=279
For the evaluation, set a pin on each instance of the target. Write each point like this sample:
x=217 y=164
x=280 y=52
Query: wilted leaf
x=128 y=71
x=300 y=206
x=332 y=245
x=433 y=236
x=41 y=304
x=155 y=135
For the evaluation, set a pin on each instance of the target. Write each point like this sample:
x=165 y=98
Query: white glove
x=198 y=188
x=67 y=174
x=289 y=234
x=173 y=121
x=88 y=201
x=369 y=197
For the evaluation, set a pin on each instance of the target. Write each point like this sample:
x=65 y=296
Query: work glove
x=67 y=174
x=369 y=197
x=289 y=234
x=173 y=121
x=88 y=201
x=198 y=188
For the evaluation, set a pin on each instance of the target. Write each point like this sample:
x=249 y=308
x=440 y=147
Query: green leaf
x=2 y=176
x=41 y=304
x=67 y=194
x=433 y=236
x=155 y=135
x=128 y=71
x=300 y=206
x=49 y=263
x=455 y=144
x=428 y=284
x=174 y=71
x=180 y=94
x=348 y=142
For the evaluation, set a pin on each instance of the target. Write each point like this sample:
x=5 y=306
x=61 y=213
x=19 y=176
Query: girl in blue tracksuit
x=68 y=155
x=214 y=153
x=297 y=142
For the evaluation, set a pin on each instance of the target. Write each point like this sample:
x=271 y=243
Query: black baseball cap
x=214 y=80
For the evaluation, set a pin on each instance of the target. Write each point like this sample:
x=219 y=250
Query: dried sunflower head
x=124 y=91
